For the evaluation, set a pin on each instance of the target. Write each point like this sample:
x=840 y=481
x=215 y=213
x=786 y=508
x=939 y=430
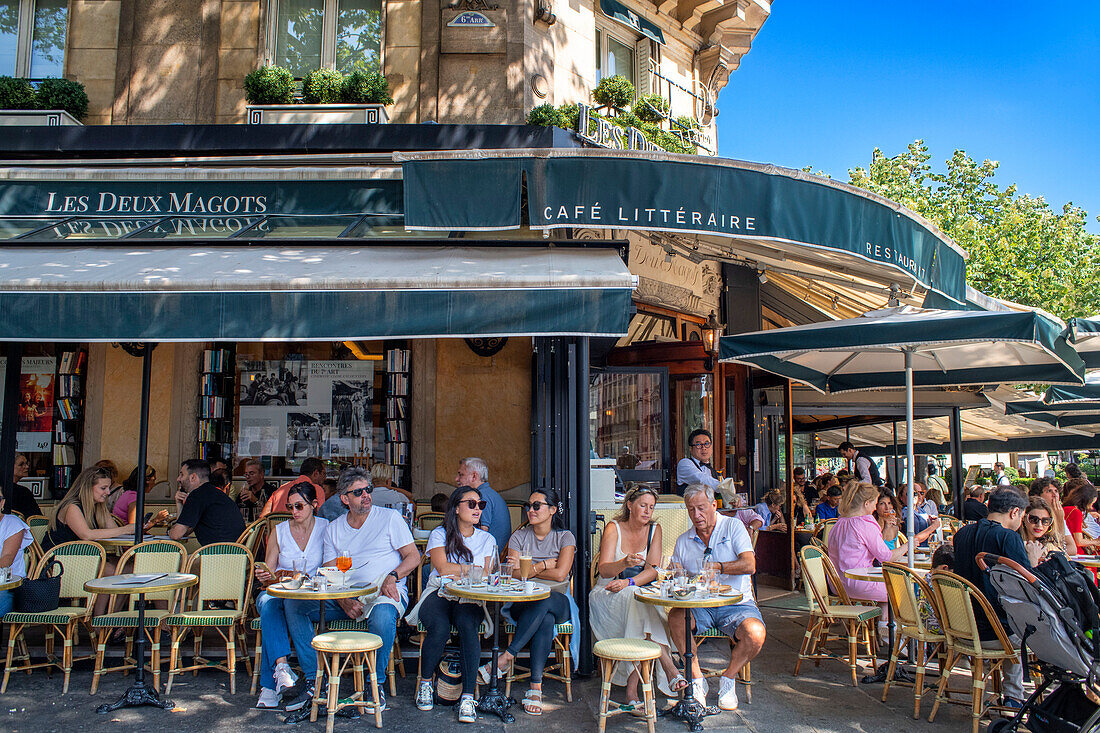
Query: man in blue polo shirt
x=722 y=543
x=474 y=473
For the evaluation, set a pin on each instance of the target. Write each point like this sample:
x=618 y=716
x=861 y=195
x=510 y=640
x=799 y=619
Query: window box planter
x=317 y=114
x=51 y=117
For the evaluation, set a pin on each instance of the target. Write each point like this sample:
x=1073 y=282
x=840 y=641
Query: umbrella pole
x=909 y=446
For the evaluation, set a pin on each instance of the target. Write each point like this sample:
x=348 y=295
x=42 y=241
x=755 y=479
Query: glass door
x=628 y=410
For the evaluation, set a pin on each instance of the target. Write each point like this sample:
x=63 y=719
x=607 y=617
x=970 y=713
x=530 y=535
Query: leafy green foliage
x=1020 y=248
x=651 y=108
x=322 y=86
x=366 y=87
x=546 y=115
x=63 y=94
x=614 y=91
x=269 y=85
x=16 y=93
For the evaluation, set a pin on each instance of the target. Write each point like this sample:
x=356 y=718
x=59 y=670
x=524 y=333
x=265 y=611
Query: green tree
x=1020 y=248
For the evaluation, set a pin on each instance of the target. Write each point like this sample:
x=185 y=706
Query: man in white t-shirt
x=722 y=543
x=382 y=552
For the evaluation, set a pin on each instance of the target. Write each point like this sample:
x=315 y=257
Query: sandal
x=532 y=702
x=678 y=683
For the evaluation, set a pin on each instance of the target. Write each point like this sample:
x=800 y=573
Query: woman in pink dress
x=855 y=541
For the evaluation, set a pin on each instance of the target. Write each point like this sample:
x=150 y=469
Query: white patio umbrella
x=912 y=346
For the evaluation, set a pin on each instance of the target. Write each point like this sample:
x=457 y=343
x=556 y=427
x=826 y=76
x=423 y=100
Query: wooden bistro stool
x=613 y=651
x=354 y=646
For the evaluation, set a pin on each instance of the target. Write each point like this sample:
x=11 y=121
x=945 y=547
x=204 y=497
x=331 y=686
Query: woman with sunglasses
x=454 y=543
x=296 y=544
x=550 y=548
x=1038 y=526
x=630 y=552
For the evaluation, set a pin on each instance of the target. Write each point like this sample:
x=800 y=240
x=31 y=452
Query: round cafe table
x=139 y=584
x=688 y=708
x=494 y=700
x=331 y=593
x=10 y=584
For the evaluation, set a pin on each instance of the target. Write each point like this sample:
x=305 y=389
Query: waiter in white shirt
x=695 y=468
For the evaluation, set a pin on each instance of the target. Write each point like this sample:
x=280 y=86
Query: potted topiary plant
x=614 y=92
x=327 y=97
x=54 y=102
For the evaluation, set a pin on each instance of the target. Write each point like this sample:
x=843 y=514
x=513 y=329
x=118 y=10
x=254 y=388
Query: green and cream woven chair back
x=225 y=574
x=826 y=528
x=253 y=533
x=814 y=581
x=39 y=525
x=154 y=556
x=429 y=520
x=82 y=561
x=956 y=611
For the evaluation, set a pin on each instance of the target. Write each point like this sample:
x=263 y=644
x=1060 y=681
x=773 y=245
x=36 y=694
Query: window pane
x=619 y=59
x=48 y=46
x=359 y=36
x=625 y=419
x=9 y=22
x=298 y=35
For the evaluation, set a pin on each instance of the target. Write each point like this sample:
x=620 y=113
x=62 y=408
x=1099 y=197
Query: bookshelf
x=396 y=365
x=217 y=386
x=68 y=425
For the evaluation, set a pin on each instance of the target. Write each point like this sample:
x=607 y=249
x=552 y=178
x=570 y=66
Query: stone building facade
x=184 y=61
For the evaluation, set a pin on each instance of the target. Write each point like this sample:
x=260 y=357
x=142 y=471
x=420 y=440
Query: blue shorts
x=725 y=618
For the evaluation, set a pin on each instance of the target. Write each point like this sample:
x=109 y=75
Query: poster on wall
x=300 y=409
x=34 y=430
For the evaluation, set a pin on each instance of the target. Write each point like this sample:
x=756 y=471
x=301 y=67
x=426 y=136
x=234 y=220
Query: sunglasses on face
x=534 y=506
x=359 y=492
x=1036 y=519
x=702 y=444
x=474 y=504
x=296 y=507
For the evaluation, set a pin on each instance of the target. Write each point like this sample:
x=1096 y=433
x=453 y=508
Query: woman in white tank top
x=295 y=545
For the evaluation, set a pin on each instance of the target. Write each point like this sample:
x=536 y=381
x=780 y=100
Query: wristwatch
x=395 y=575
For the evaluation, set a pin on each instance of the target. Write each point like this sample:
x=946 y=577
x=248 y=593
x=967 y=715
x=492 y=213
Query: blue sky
x=826 y=83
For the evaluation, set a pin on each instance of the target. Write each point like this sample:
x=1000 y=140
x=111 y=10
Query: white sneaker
x=467 y=709
x=425 y=695
x=284 y=678
x=727 y=693
x=268 y=699
x=699 y=691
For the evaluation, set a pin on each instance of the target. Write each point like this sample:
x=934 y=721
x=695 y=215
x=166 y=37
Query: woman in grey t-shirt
x=551 y=550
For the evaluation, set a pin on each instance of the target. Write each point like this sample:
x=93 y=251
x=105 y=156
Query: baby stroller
x=1053 y=611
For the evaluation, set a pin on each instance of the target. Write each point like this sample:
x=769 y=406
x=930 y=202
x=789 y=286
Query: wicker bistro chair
x=824 y=528
x=225 y=574
x=957 y=602
x=901 y=592
x=82 y=561
x=38 y=525
x=642 y=654
x=154 y=556
x=817 y=575
x=429 y=520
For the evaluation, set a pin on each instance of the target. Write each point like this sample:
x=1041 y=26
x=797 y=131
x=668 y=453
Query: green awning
x=762 y=206
x=622 y=14
x=1086 y=336
x=323 y=293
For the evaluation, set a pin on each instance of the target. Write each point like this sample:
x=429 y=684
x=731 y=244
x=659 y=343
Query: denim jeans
x=276 y=638
x=301 y=616
x=7 y=600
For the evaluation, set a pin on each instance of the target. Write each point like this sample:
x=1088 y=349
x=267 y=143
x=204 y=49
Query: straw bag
x=42 y=593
